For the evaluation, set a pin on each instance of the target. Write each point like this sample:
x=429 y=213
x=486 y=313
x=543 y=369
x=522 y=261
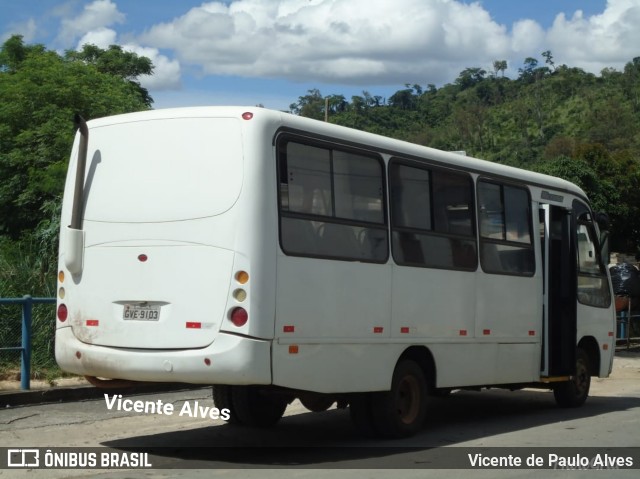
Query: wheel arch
x=424 y=358
x=589 y=345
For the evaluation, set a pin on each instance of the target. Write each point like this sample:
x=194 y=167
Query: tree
x=115 y=61
x=470 y=77
x=548 y=59
x=39 y=93
x=310 y=105
x=499 y=66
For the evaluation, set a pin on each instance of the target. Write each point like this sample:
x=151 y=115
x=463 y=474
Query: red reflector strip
x=288 y=329
x=486 y=332
x=193 y=325
x=463 y=332
x=404 y=330
x=532 y=333
x=92 y=322
x=378 y=329
x=611 y=334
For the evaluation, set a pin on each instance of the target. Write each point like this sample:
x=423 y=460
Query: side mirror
x=603 y=221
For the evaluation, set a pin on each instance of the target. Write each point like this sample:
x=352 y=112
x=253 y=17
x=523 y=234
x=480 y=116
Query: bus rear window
x=163 y=170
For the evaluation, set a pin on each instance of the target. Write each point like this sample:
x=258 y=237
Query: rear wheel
x=574 y=392
x=254 y=408
x=401 y=411
x=222 y=400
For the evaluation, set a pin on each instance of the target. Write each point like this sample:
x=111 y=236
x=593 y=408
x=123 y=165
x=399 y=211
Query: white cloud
x=92 y=26
x=357 y=42
x=605 y=40
x=28 y=29
x=101 y=37
x=167 y=72
x=351 y=41
x=96 y=15
x=527 y=38
x=377 y=41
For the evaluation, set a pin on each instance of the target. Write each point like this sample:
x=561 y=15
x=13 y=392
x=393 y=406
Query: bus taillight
x=63 y=313
x=239 y=317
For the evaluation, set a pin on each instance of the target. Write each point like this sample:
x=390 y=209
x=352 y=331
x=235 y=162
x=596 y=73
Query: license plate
x=141 y=313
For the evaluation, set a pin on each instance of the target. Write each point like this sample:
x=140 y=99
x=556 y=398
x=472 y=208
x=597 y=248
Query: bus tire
x=401 y=412
x=222 y=400
x=252 y=408
x=574 y=393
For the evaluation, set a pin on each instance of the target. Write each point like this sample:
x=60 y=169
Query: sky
x=271 y=52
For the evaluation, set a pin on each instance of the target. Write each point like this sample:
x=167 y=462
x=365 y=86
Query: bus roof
x=347 y=135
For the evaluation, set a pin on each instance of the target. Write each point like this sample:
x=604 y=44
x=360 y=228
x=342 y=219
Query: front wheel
x=401 y=412
x=574 y=392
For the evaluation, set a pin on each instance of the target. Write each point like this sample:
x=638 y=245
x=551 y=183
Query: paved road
x=611 y=418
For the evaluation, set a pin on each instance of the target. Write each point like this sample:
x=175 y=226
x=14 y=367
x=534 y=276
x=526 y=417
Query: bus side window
x=331 y=202
x=432 y=217
x=506 y=246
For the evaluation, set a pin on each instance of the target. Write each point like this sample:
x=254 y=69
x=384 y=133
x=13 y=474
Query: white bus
x=277 y=257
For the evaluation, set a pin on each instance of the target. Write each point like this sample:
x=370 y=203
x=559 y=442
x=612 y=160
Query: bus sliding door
x=560 y=311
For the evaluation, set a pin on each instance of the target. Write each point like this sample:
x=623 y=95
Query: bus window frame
x=515 y=244
x=430 y=168
x=280 y=142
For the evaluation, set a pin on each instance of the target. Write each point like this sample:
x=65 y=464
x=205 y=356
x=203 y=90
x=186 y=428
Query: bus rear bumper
x=230 y=359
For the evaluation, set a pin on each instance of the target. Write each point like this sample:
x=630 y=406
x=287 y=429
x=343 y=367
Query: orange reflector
x=605 y=346
x=463 y=332
x=61 y=276
x=288 y=329
x=293 y=349
x=486 y=332
x=193 y=325
x=404 y=330
x=92 y=322
x=532 y=333
x=242 y=277
x=378 y=329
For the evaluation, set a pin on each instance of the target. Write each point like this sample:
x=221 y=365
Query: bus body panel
x=140 y=305
x=501 y=299
x=356 y=303
x=334 y=366
x=232 y=360
x=433 y=303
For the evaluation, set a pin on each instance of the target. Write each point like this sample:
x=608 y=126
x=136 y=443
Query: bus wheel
x=222 y=400
x=253 y=408
x=401 y=411
x=574 y=392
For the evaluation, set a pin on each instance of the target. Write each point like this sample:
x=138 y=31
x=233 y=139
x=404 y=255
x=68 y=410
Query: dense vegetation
x=551 y=118
x=40 y=91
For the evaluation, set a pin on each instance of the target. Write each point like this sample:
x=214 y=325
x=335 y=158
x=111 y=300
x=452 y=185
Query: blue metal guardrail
x=27 y=303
